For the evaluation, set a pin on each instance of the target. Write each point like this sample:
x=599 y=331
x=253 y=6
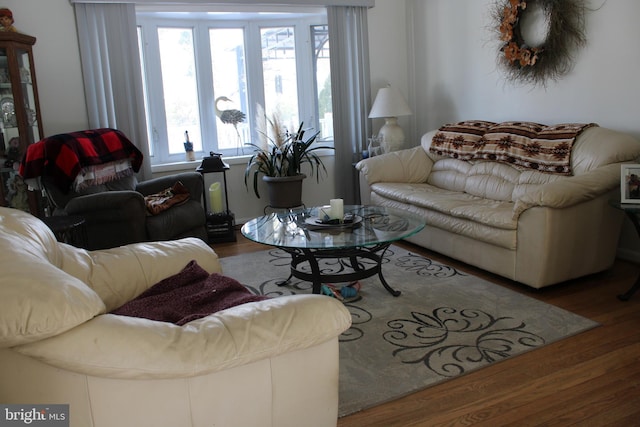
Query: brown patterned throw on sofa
x=524 y=144
x=460 y=140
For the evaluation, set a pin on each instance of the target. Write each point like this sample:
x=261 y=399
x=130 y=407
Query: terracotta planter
x=284 y=191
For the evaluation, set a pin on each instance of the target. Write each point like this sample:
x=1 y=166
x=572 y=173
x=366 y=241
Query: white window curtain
x=350 y=84
x=111 y=69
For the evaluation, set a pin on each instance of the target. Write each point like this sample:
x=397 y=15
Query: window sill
x=232 y=160
x=191 y=166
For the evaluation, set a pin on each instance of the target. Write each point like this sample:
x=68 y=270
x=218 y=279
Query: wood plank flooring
x=591 y=379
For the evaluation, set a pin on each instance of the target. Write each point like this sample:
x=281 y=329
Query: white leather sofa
x=533 y=227
x=267 y=363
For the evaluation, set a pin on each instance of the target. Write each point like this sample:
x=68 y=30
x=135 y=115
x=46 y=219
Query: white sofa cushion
x=593 y=149
x=120 y=274
x=410 y=165
x=449 y=174
x=458 y=212
x=135 y=348
x=37 y=299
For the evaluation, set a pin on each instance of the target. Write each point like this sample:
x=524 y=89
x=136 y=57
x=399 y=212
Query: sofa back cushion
x=60 y=199
x=495 y=181
x=37 y=299
x=598 y=146
x=449 y=174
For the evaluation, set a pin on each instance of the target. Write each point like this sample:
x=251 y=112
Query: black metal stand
x=354 y=255
x=70 y=229
x=627 y=295
x=220 y=226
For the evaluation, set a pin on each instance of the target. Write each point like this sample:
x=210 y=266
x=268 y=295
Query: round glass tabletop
x=302 y=228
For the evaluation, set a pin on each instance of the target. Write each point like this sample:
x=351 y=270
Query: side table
x=632 y=211
x=70 y=229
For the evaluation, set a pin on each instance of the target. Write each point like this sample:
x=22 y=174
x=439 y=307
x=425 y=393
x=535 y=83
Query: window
x=205 y=73
x=322 y=73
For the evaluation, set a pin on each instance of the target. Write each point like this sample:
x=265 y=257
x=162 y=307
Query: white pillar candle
x=337 y=209
x=215 y=197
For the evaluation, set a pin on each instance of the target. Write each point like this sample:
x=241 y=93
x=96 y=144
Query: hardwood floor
x=591 y=379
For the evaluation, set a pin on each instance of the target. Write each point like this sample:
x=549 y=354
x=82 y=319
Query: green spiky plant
x=283 y=154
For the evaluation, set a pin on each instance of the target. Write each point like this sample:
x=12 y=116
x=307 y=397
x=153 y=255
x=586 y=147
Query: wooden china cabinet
x=20 y=121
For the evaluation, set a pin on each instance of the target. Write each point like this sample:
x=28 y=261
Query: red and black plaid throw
x=63 y=156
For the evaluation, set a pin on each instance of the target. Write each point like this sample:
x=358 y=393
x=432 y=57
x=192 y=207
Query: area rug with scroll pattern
x=445 y=323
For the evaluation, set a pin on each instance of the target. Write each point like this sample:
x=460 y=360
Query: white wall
x=456 y=76
x=57 y=61
x=389 y=55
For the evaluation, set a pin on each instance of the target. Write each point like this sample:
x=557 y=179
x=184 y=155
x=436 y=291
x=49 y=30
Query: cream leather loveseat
x=267 y=363
x=498 y=211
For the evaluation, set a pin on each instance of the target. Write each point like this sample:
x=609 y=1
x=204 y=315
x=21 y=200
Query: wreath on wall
x=551 y=60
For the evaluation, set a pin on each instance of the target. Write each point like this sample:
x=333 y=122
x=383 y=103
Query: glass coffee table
x=360 y=244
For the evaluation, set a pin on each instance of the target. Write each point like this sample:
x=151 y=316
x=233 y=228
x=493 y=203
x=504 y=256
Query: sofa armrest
x=571 y=191
x=409 y=165
x=116 y=201
x=192 y=180
x=120 y=274
x=127 y=347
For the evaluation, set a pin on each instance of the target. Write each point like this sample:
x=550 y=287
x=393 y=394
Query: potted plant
x=279 y=159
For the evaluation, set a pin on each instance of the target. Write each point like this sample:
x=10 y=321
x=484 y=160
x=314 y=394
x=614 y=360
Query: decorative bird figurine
x=229 y=116
x=232 y=117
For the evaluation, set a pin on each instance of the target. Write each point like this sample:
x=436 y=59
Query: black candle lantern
x=220 y=224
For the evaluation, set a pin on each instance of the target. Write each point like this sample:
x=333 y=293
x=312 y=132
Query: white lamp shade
x=389 y=103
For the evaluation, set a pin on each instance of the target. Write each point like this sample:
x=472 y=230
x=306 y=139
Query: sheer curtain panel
x=351 y=90
x=111 y=70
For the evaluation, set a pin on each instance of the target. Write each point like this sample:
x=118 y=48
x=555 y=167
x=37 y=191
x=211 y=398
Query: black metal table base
x=70 y=229
x=627 y=295
x=355 y=256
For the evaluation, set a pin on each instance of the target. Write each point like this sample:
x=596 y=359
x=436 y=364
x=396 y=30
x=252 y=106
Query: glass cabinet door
x=30 y=104
x=20 y=123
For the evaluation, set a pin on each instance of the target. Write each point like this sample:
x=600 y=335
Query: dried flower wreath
x=555 y=57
